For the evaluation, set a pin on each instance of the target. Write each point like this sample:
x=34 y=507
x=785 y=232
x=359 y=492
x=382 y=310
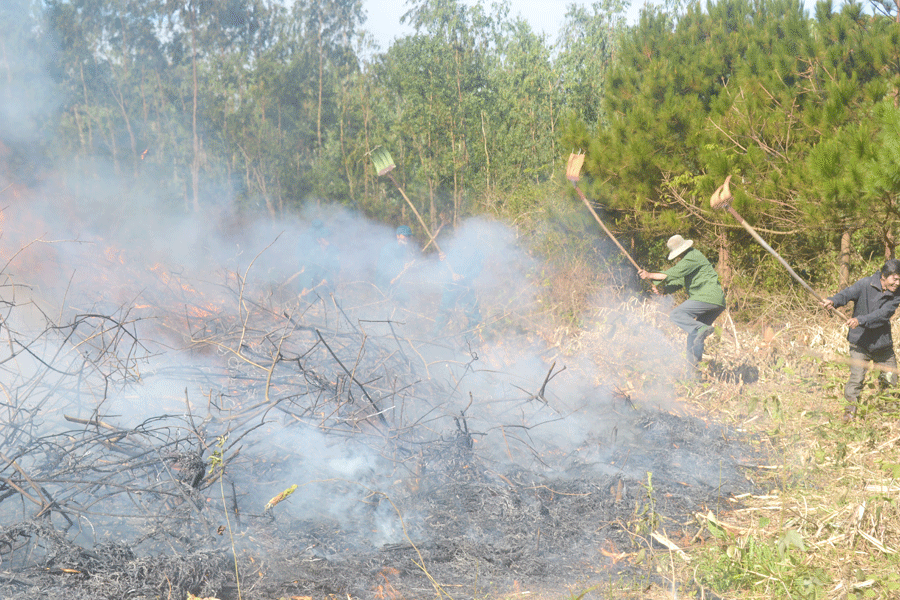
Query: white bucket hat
x=678 y=245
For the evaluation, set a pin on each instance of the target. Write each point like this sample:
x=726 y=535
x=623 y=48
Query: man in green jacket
x=706 y=299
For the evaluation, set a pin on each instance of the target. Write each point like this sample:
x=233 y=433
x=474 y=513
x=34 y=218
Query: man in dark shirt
x=465 y=263
x=319 y=261
x=875 y=299
x=394 y=259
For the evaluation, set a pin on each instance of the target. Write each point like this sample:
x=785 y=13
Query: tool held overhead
x=721 y=199
x=573 y=174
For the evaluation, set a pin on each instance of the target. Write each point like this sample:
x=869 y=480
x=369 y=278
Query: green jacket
x=699 y=279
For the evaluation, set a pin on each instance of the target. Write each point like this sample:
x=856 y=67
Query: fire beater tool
x=721 y=199
x=573 y=174
x=383 y=162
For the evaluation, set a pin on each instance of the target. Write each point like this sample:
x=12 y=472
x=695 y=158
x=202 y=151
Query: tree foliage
x=264 y=105
x=758 y=90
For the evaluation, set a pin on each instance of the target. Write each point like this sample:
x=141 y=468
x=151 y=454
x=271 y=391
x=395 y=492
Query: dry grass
x=826 y=523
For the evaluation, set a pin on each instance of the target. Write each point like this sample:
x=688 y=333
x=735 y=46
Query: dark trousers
x=695 y=317
x=457 y=295
x=859 y=365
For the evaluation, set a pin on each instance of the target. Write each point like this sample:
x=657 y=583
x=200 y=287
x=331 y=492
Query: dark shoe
x=849 y=414
x=701 y=339
x=699 y=343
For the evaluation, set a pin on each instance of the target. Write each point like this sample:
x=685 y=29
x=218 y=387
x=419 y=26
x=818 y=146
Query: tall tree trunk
x=9 y=74
x=456 y=198
x=90 y=130
x=844 y=260
x=345 y=159
x=487 y=156
x=79 y=125
x=368 y=176
x=120 y=100
x=723 y=267
x=552 y=124
x=195 y=164
x=113 y=144
x=432 y=211
x=321 y=45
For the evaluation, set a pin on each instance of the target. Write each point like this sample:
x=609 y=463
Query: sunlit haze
x=544 y=16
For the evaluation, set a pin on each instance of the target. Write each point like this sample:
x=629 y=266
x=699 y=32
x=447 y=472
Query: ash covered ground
x=157 y=397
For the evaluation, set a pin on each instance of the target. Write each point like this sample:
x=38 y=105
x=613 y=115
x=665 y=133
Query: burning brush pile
x=215 y=436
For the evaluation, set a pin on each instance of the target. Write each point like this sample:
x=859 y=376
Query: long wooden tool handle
x=784 y=263
x=416 y=212
x=424 y=226
x=608 y=232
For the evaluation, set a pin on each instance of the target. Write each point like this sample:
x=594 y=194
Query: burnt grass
x=469 y=530
x=480 y=532
x=140 y=445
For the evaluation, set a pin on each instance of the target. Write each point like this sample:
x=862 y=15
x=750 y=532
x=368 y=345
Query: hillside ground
x=826 y=521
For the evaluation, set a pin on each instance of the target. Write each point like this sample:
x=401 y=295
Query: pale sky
x=544 y=16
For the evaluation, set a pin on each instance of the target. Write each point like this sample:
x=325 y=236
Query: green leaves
x=854 y=175
x=756 y=90
x=586 y=52
x=790 y=539
x=779 y=566
x=286 y=105
x=892 y=469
